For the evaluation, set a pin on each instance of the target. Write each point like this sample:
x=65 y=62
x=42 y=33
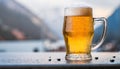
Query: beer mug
x=78 y=32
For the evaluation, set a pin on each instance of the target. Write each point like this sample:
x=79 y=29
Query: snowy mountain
x=113 y=31
x=113 y=26
x=15 y=15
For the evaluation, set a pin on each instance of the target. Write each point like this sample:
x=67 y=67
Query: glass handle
x=104 y=21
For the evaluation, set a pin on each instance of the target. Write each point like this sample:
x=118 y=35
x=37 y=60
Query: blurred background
x=36 y=25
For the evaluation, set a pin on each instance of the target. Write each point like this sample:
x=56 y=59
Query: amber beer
x=78 y=33
x=78 y=30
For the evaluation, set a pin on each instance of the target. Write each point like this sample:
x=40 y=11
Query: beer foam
x=78 y=9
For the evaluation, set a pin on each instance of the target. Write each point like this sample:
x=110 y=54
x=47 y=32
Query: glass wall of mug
x=78 y=31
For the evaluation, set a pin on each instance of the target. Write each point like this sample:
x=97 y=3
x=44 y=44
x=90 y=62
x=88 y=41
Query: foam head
x=81 y=11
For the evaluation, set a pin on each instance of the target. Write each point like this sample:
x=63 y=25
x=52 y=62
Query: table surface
x=57 y=59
